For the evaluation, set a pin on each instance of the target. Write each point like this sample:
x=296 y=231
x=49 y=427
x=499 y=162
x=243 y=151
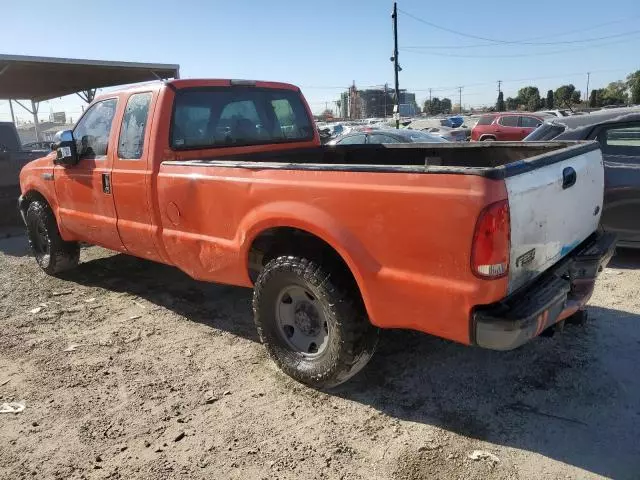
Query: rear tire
x=53 y=254
x=312 y=322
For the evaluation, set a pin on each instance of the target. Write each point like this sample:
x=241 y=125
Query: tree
x=550 y=103
x=566 y=95
x=500 y=102
x=529 y=98
x=615 y=94
x=446 y=105
x=511 y=104
x=593 y=98
x=633 y=83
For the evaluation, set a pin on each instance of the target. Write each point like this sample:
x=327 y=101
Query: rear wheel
x=52 y=253
x=312 y=322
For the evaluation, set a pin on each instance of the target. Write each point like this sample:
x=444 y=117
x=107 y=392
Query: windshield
x=546 y=131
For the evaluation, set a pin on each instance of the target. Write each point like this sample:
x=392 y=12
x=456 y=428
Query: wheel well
x=29 y=197
x=484 y=137
x=275 y=242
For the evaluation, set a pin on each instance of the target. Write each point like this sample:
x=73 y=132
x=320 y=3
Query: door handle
x=106 y=183
x=569 y=177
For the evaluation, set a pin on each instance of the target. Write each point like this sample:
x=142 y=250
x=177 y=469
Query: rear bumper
x=556 y=295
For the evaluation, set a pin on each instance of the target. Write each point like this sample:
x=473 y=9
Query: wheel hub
x=301 y=322
x=307 y=319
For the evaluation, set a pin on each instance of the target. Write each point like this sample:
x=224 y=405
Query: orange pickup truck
x=484 y=244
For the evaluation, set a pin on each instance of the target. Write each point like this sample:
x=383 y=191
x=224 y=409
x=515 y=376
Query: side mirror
x=65 y=147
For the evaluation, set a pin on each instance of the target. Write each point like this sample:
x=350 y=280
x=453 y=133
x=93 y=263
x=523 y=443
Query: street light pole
x=396 y=66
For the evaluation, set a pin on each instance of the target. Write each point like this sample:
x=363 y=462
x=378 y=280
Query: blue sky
x=325 y=45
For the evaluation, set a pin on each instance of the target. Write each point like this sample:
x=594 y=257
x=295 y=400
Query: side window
x=377 y=138
x=92 y=132
x=352 y=140
x=622 y=141
x=134 y=123
x=529 y=122
x=509 y=121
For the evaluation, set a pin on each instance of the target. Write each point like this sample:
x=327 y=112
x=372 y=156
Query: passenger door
x=85 y=199
x=131 y=176
x=507 y=128
x=621 y=152
x=527 y=125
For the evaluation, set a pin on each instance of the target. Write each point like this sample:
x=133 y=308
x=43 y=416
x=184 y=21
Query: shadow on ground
x=626 y=258
x=219 y=306
x=573 y=398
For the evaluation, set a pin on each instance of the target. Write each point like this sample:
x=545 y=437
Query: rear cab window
x=213 y=117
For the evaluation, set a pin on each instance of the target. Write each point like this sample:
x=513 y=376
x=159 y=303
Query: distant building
x=376 y=103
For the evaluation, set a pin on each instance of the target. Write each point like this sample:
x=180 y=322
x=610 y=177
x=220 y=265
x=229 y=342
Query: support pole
x=396 y=66
x=34 y=110
x=13 y=117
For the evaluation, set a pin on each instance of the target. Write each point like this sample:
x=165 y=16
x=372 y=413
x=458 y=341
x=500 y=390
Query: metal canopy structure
x=43 y=78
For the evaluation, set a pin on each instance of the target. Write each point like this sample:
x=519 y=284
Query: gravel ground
x=130 y=369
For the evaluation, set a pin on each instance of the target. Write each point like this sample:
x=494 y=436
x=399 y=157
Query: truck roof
x=198 y=82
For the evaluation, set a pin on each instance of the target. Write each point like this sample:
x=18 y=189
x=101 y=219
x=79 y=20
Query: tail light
x=491 y=243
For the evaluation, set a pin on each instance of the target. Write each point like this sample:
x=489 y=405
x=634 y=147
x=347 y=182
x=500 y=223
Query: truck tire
x=52 y=253
x=312 y=322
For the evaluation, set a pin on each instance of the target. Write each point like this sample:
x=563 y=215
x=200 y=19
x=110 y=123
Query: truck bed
x=489 y=159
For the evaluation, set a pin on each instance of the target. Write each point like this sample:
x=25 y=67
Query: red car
x=505 y=126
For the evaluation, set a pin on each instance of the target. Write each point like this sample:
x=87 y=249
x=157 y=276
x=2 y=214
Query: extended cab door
x=621 y=151
x=84 y=192
x=131 y=175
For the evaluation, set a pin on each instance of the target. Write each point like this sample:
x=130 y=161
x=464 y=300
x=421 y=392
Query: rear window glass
x=546 y=131
x=485 y=120
x=237 y=116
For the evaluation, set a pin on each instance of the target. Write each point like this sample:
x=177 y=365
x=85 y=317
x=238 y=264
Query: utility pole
x=460 y=93
x=587 y=97
x=396 y=66
x=499 y=84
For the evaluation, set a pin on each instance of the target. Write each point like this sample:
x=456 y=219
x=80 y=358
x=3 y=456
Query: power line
x=519 y=55
x=506 y=42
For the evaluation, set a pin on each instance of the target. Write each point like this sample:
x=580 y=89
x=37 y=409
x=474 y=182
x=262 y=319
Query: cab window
x=622 y=141
x=134 y=123
x=238 y=116
x=92 y=131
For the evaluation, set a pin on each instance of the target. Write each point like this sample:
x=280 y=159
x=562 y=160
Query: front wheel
x=312 y=322
x=52 y=253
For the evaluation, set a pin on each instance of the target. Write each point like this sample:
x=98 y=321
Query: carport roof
x=43 y=78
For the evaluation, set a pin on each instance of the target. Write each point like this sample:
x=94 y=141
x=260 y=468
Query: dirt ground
x=130 y=369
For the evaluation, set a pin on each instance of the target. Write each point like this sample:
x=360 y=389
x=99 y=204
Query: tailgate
x=553 y=209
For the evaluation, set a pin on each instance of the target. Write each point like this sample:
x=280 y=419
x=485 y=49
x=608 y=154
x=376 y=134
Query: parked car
x=42 y=146
x=618 y=132
x=505 y=126
x=439 y=128
x=388 y=135
x=13 y=156
x=227 y=181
